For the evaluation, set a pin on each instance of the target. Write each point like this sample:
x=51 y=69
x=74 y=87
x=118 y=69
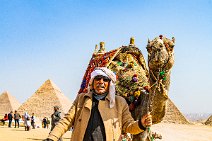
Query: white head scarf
x=108 y=73
x=26 y=115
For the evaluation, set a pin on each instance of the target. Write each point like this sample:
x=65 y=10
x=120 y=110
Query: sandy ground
x=170 y=132
x=18 y=134
x=180 y=132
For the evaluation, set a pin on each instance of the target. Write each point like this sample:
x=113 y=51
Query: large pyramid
x=173 y=114
x=209 y=121
x=44 y=99
x=8 y=103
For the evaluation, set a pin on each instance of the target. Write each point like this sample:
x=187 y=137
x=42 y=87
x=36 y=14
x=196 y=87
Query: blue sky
x=51 y=39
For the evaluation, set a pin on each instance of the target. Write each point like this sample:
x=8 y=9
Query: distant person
x=4 y=119
x=44 y=122
x=10 y=118
x=47 y=123
x=27 y=121
x=17 y=116
x=55 y=119
x=33 y=120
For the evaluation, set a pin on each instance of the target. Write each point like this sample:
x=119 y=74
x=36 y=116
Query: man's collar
x=89 y=94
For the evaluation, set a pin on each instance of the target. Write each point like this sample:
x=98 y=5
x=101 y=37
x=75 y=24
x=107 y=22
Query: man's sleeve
x=129 y=124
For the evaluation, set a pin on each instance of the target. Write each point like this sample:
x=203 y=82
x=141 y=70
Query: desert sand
x=170 y=132
x=183 y=132
x=18 y=134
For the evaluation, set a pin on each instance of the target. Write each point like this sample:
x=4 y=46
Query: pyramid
x=209 y=121
x=44 y=99
x=8 y=103
x=173 y=114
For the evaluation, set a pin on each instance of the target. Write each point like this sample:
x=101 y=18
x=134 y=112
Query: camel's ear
x=148 y=41
x=173 y=39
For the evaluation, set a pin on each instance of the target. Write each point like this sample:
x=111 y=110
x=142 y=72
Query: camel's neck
x=159 y=82
x=161 y=73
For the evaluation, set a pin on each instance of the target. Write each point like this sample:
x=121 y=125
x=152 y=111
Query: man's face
x=101 y=84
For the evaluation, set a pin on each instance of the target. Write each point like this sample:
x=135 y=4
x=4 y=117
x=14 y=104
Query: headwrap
x=26 y=115
x=108 y=73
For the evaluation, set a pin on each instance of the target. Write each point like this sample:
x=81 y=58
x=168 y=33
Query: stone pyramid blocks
x=173 y=114
x=8 y=103
x=44 y=99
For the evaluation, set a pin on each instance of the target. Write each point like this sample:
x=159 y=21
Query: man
x=17 y=116
x=33 y=120
x=44 y=122
x=55 y=119
x=10 y=118
x=99 y=115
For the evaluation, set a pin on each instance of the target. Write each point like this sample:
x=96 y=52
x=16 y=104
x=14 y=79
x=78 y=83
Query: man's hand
x=146 y=120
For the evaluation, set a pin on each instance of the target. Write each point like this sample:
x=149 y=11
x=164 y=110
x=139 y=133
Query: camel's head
x=159 y=52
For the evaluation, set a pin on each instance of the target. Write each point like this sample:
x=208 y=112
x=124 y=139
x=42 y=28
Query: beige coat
x=116 y=120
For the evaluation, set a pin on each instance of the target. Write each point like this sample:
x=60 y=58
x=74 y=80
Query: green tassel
x=119 y=63
x=151 y=137
x=162 y=73
x=131 y=98
x=148 y=129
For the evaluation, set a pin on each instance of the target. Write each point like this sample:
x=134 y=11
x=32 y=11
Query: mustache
x=100 y=86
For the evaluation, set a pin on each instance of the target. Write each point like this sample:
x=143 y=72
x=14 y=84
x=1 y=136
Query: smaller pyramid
x=44 y=99
x=8 y=103
x=209 y=121
x=173 y=114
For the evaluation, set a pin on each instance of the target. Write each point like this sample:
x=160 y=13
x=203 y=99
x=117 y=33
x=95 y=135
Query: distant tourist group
x=10 y=117
x=30 y=121
x=26 y=119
